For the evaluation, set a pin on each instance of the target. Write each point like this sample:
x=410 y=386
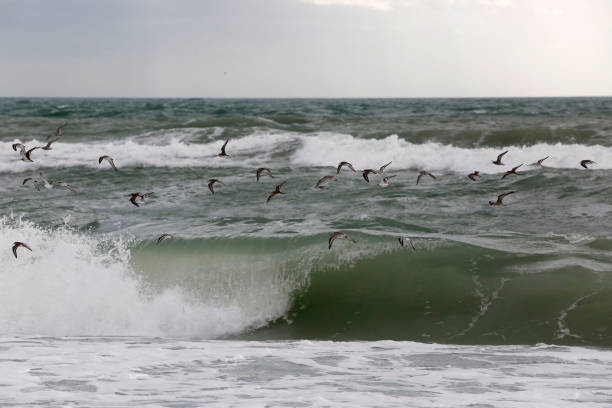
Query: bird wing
x=419 y=178
x=382 y=169
x=505 y=194
x=501 y=155
x=431 y=175
x=332 y=239
x=223 y=147
x=64 y=184
x=29 y=152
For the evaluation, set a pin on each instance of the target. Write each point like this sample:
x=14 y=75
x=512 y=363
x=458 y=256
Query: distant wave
x=288 y=149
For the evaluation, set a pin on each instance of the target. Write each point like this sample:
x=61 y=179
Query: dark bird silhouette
x=323 y=180
x=585 y=163
x=163 y=237
x=138 y=196
x=425 y=173
x=34 y=181
x=276 y=191
x=336 y=235
x=342 y=164
x=211 y=182
x=500 y=199
x=49 y=143
x=108 y=159
x=382 y=168
x=539 y=162
x=513 y=171
x=472 y=176
x=366 y=173
x=18 y=244
x=24 y=154
x=223 y=153
x=499 y=159
x=58 y=131
x=261 y=170
x=404 y=240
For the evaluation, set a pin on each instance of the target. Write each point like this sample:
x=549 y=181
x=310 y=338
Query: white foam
x=71 y=284
x=330 y=149
x=280 y=149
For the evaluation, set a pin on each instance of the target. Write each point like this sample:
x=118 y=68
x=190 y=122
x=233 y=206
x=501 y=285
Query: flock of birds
x=25 y=155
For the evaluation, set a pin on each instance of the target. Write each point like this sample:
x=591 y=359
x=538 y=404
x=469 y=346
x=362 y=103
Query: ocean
x=497 y=306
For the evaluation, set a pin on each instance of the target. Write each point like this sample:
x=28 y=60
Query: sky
x=305 y=48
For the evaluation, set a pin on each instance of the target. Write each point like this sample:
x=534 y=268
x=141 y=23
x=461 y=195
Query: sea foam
x=290 y=149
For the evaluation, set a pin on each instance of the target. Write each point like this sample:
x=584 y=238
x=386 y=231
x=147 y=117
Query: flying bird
x=324 y=180
x=366 y=173
x=163 y=237
x=472 y=176
x=223 y=153
x=276 y=191
x=108 y=159
x=539 y=162
x=382 y=168
x=138 y=196
x=48 y=145
x=513 y=171
x=585 y=163
x=35 y=182
x=404 y=240
x=342 y=164
x=339 y=234
x=24 y=154
x=500 y=199
x=261 y=170
x=18 y=244
x=385 y=181
x=48 y=184
x=425 y=173
x=64 y=184
x=211 y=183
x=58 y=131
x=499 y=159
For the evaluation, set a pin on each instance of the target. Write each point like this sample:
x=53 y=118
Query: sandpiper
x=425 y=173
x=342 y=164
x=499 y=159
x=276 y=191
x=500 y=199
x=339 y=234
x=108 y=159
x=18 y=244
x=261 y=170
x=513 y=171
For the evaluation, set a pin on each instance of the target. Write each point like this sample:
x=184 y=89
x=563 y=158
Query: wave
x=74 y=284
x=287 y=149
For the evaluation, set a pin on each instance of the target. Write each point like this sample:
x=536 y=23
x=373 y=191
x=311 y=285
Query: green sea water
x=537 y=270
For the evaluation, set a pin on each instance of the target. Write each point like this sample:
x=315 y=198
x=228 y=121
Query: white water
x=103 y=372
x=302 y=150
x=75 y=285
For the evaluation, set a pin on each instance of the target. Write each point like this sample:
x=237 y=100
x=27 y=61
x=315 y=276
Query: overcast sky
x=305 y=48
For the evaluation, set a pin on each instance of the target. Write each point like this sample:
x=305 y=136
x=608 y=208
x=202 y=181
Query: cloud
x=382 y=5
x=387 y=5
x=545 y=11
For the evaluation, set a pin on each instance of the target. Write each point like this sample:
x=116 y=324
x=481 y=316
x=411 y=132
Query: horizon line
x=311 y=97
